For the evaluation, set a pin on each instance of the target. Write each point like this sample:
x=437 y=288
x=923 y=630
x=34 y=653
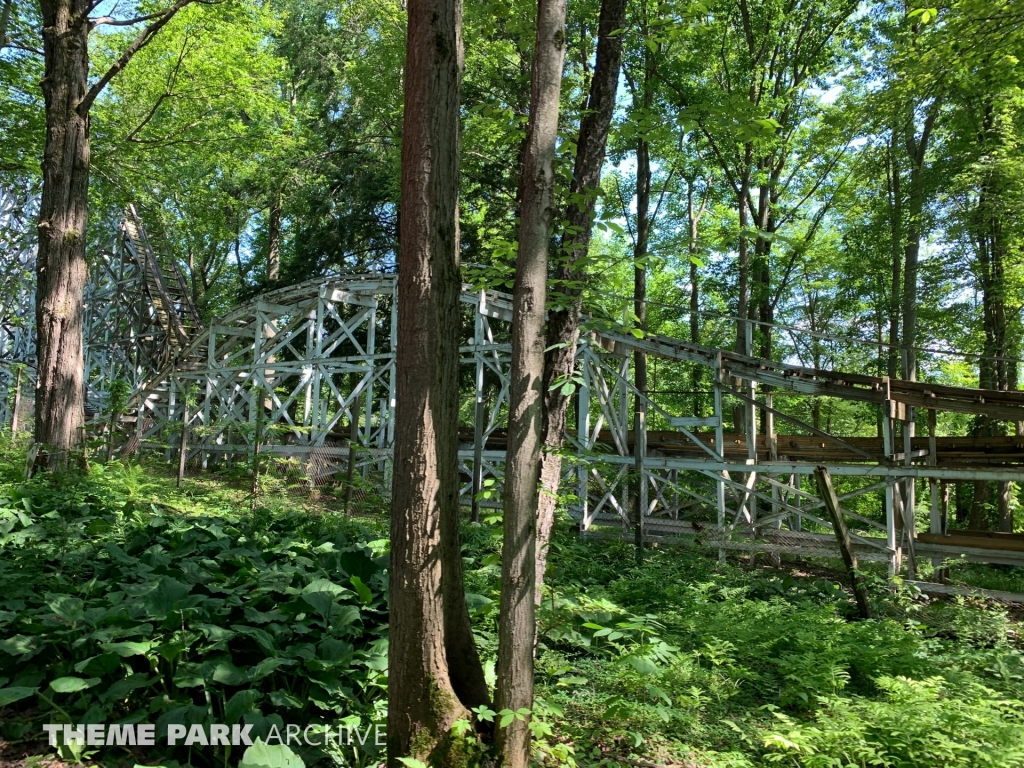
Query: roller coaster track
x=314 y=363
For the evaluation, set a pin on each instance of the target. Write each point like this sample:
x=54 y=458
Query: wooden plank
x=692 y=421
x=828 y=494
x=930 y=588
x=1008 y=542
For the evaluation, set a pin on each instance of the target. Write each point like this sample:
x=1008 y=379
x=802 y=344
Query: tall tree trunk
x=693 y=217
x=896 y=229
x=5 y=20
x=516 y=620
x=563 y=321
x=274 y=237
x=762 y=293
x=743 y=257
x=917 y=149
x=643 y=230
x=434 y=671
x=61 y=267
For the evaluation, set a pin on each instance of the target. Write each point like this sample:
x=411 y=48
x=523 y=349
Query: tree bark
x=516 y=620
x=693 y=217
x=564 y=320
x=434 y=670
x=5 y=20
x=896 y=227
x=743 y=257
x=61 y=267
x=274 y=237
x=917 y=148
x=643 y=231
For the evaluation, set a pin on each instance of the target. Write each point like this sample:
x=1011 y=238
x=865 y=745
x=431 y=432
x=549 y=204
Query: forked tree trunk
x=517 y=625
x=60 y=265
x=564 y=321
x=434 y=670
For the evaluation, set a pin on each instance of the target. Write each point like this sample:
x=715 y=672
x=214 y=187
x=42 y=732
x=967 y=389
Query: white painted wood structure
x=312 y=364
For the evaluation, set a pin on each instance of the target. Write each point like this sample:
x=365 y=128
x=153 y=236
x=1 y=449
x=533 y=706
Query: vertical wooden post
x=798 y=519
x=719 y=373
x=828 y=495
x=350 y=470
x=935 y=520
x=183 y=445
x=583 y=433
x=890 y=528
x=749 y=499
x=640 y=452
x=944 y=530
x=257 y=444
x=773 y=448
x=478 y=424
x=17 y=404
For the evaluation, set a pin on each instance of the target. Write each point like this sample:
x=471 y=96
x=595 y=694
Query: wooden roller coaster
x=313 y=364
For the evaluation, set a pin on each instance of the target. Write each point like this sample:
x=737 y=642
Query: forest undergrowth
x=123 y=599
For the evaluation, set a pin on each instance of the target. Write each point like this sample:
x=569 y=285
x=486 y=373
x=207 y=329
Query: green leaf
x=362 y=590
x=127 y=649
x=239 y=704
x=267 y=667
x=120 y=690
x=332 y=649
x=99 y=665
x=412 y=762
x=11 y=695
x=72 y=684
x=477 y=602
x=491 y=559
x=228 y=674
x=572 y=680
x=568 y=388
x=324 y=585
x=285 y=699
x=261 y=755
x=165 y=597
x=18 y=645
x=642 y=665
x=67 y=607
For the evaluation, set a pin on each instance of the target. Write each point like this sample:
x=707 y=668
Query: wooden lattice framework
x=306 y=372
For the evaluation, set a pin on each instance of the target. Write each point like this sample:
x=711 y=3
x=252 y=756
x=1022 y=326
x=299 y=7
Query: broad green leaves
x=261 y=755
x=254 y=617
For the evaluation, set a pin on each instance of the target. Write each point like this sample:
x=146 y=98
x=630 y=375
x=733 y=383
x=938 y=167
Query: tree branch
x=137 y=45
x=110 y=21
x=21 y=47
